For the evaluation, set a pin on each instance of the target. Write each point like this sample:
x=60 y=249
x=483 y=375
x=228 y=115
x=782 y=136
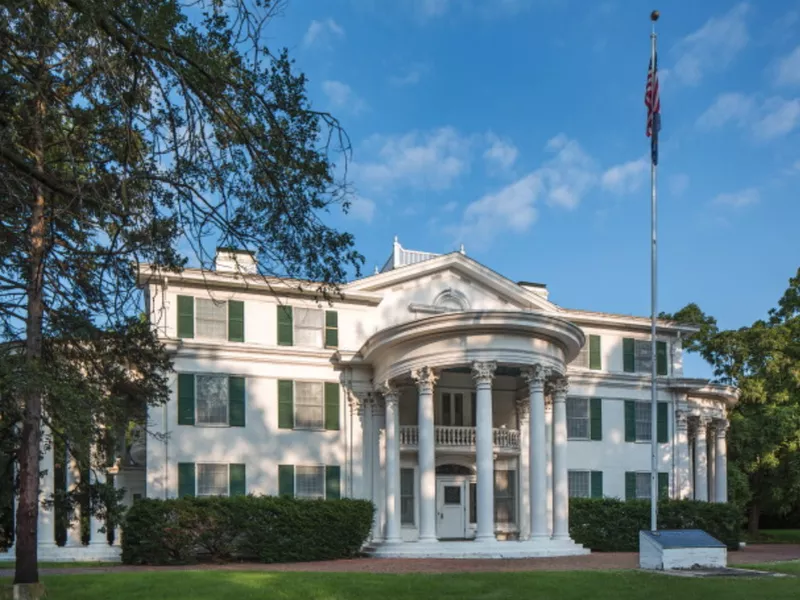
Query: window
x=451 y=410
x=211 y=319
x=212 y=480
x=638 y=356
x=308 y=327
x=310 y=482
x=579 y=483
x=473 y=503
x=578 y=418
x=590 y=356
x=505 y=497
x=407 y=496
x=643 y=422
x=212 y=400
x=643 y=485
x=309 y=408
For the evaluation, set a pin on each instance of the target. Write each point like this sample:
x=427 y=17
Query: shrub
x=262 y=528
x=611 y=525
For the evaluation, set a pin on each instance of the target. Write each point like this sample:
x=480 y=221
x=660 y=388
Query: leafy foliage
x=264 y=528
x=612 y=525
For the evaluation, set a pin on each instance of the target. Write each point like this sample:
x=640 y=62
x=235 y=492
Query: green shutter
x=285 y=327
x=663 y=485
x=286 y=480
x=595 y=360
x=661 y=358
x=628 y=355
x=596 y=417
x=332 y=485
x=185 y=399
x=630 y=485
x=238 y=482
x=630 y=421
x=331 y=405
x=331 y=329
x=597 y=484
x=185 y=317
x=236 y=404
x=235 y=321
x=285 y=404
x=185 y=479
x=661 y=424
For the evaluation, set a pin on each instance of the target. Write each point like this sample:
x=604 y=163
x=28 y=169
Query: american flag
x=652 y=101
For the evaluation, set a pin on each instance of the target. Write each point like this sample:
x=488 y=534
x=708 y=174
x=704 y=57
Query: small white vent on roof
x=231 y=260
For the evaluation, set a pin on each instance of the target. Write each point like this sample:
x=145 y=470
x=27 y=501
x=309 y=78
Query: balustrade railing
x=459 y=437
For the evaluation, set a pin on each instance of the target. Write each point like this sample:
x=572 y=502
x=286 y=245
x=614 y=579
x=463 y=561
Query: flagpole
x=653 y=294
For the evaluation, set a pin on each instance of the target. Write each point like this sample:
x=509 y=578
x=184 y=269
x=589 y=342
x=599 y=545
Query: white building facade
x=468 y=408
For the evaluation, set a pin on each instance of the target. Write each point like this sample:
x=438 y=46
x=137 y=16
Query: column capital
x=721 y=427
x=559 y=385
x=389 y=392
x=535 y=375
x=425 y=378
x=359 y=400
x=682 y=418
x=483 y=372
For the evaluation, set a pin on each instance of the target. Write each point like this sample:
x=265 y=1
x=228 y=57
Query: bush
x=255 y=528
x=611 y=525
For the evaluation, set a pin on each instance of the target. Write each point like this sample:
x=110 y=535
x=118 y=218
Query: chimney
x=233 y=260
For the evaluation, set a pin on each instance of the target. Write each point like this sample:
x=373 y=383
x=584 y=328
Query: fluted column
x=701 y=460
x=683 y=479
x=548 y=452
x=721 y=457
x=391 y=397
x=483 y=373
x=523 y=423
x=377 y=470
x=535 y=378
x=426 y=378
x=560 y=485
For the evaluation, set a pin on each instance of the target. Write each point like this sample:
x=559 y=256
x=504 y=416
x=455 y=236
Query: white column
x=683 y=478
x=97 y=472
x=46 y=530
x=721 y=456
x=425 y=379
x=538 y=458
x=391 y=397
x=73 y=474
x=560 y=485
x=700 y=461
x=523 y=423
x=483 y=373
x=548 y=452
x=711 y=462
x=377 y=485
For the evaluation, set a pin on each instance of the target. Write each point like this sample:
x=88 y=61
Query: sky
x=517 y=127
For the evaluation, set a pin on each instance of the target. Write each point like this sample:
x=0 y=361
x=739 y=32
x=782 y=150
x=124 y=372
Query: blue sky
x=517 y=128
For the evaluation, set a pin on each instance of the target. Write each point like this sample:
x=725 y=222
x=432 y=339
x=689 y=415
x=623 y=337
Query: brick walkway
x=760 y=553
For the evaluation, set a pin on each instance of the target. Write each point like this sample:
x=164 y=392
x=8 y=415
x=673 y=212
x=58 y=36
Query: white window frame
x=227 y=388
x=588 y=418
x=321 y=426
x=295 y=327
x=197 y=478
x=197 y=299
x=466 y=407
x=413 y=497
x=642 y=475
x=324 y=482
x=588 y=475
x=638 y=404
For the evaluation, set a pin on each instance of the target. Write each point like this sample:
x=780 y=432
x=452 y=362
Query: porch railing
x=463 y=438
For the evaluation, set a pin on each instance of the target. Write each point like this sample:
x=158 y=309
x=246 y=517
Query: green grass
x=791 y=567
x=775 y=536
x=222 y=585
x=65 y=565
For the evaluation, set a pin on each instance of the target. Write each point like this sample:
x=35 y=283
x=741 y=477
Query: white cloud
x=452 y=205
x=712 y=47
x=341 y=96
x=410 y=76
x=501 y=154
x=788 y=71
x=432 y=9
x=678 y=184
x=737 y=199
x=322 y=32
x=627 y=177
x=767 y=119
x=569 y=174
x=362 y=209
x=727 y=107
x=778 y=117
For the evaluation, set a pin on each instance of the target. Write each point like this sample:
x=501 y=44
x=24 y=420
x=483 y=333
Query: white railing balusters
x=459 y=437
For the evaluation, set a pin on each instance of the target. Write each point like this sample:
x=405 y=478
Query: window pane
x=643 y=485
x=212 y=399
x=473 y=502
x=309 y=411
x=446 y=414
x=505 y=502
x=579 y=484
x=308 y=327
x=212 y=318
x=452 y=494
x=643 y=421
x=578 y=418
x=407 y=496
x=458 y=401
x=309 y=482
x=212 y=480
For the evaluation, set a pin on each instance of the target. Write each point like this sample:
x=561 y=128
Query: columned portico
x=701 y=459
x=535 y=378
x=483 y=372
x=390 y=399
x=560 y=484
x=425 y=379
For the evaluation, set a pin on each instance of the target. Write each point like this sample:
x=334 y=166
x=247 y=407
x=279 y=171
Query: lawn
x=616 y=585
x=775 y=536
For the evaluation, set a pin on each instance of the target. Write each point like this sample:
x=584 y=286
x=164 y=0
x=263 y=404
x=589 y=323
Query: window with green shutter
x=235 y=321
x=285 y=326
x=331 y=329
x=630 y=485
x=238 y=482
x=663 y=486
x=331 y=405
x=628 y=355
x=595 y=358
x=332 y=483
x=661 y=425
x=596 y=416
x=236 y=401
x=285 y=404
x=185 y=479
x=286 y=480
x=185 y=317
x=630 y=421
x=185 y=399
x=597 y=484
x=662 y=368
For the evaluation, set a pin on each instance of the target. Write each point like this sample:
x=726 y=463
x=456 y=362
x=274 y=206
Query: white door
x=451 y=503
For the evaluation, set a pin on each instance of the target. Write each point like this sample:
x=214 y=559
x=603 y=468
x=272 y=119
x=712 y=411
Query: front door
x=451 y=503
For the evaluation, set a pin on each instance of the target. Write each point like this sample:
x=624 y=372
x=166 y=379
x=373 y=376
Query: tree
x=763 y=360
x=140 y=131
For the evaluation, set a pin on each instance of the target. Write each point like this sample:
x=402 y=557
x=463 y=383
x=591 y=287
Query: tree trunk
x=27 y=570
x=753 y=518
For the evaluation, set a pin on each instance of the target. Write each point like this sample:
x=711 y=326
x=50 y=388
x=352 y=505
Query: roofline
x=644 y=323
x=704 y=388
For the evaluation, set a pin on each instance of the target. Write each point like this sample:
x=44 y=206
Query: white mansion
x=464 y=405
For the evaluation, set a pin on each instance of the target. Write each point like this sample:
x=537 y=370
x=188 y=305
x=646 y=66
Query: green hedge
x=255 y=528
x=611 y=525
